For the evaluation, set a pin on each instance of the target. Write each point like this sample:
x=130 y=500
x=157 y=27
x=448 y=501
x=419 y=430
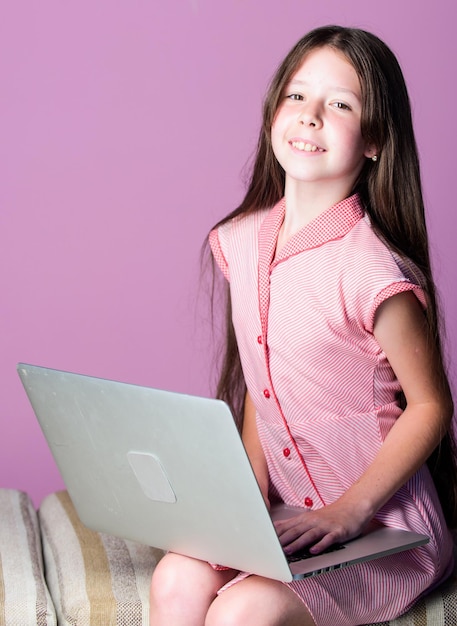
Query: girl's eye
x=341 y=105
x=294 y=96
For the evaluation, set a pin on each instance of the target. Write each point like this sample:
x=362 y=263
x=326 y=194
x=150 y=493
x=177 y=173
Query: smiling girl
x=333 y=361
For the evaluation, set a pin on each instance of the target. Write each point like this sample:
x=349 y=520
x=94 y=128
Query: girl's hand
x=335 y=523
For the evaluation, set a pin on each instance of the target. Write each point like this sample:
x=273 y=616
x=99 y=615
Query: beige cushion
x=94 y=579
x=24 y=597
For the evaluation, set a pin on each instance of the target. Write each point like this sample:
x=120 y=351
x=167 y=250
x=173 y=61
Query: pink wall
x=124 y=130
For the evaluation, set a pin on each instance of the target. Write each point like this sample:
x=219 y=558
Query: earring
x=374 y=157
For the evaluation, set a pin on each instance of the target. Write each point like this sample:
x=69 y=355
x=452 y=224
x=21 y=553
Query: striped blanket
x=24 y=597
x=95 y=579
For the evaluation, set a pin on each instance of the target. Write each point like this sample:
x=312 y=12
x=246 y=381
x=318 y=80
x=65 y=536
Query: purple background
x=125 y=127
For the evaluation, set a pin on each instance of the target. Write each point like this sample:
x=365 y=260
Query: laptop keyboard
x=306 y=554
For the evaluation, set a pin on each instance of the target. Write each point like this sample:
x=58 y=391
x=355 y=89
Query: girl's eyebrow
x=297 y=81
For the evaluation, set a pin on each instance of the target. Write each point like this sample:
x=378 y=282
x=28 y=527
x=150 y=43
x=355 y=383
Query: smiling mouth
x=306 y=147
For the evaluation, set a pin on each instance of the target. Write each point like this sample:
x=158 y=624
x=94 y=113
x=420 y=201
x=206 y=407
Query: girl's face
x=316 y=134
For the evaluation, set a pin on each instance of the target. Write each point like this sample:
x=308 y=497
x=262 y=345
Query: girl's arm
x=254 y=448
x=400 y=329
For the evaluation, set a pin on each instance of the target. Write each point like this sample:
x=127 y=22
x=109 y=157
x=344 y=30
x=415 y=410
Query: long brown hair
x=390 y=191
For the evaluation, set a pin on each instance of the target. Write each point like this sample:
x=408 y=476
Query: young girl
x=333 y=360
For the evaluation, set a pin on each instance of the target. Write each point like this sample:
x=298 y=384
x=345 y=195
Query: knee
x=179 y=578
x=258 y=601
x=230 y=610
x=166 y=580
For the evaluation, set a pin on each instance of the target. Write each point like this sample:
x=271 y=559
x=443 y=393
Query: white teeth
x=305 y=147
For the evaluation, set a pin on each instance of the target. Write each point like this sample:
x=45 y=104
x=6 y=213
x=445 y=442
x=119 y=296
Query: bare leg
x=182 y=590
x=258 y=601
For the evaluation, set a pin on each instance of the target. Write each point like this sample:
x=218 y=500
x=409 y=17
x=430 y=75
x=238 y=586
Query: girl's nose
x=309 y=116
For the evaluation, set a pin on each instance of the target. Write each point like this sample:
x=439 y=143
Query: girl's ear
x=371 y=152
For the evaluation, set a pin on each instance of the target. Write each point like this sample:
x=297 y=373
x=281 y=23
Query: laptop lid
x=169 y=470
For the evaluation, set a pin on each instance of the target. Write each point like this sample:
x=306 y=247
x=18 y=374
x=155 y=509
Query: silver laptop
x=169 y=470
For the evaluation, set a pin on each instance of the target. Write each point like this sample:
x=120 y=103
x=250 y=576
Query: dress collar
x=332 y=224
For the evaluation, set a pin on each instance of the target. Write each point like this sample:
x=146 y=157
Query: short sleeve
x=373 y=274
x=392 y=290
x=218 y=242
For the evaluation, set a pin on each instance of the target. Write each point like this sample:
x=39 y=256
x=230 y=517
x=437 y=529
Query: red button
x=286 y=452
x=308 y=502
x=266 y=393
x=259 y=339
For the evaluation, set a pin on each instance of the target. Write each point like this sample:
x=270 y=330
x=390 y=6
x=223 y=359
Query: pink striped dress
x=324 y=392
